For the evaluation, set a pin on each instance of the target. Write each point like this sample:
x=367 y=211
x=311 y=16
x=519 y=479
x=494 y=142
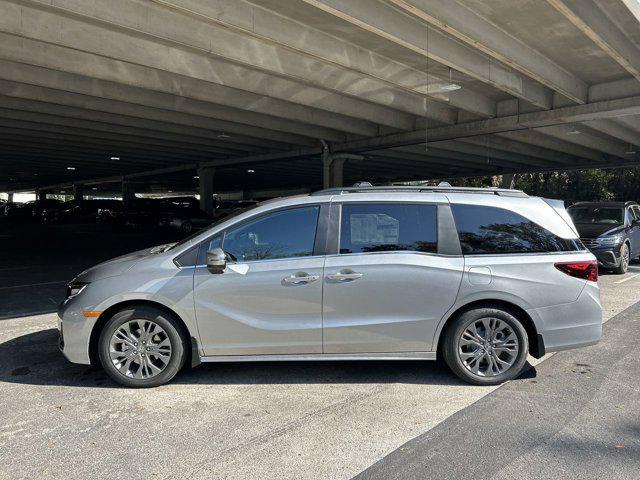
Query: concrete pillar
x=78 y=191
x=247 y=194
x=205 y=188
x=128 y=192
x=41 y=195
x=326 y=167
x=332 y=170
x=9 y=197
x=508 y=180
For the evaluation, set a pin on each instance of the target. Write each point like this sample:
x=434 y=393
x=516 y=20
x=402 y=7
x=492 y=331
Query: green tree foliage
x=573 y=186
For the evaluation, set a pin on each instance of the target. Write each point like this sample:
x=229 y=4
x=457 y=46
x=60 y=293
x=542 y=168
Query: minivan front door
x=387 y=288
x=269 y=298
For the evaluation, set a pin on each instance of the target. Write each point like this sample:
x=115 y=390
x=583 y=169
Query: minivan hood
x=119 y=265
x=593 y=230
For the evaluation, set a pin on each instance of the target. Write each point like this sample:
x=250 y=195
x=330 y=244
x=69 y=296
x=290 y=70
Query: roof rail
x=504 y=192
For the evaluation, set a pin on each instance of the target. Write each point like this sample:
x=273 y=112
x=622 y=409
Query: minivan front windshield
x=597 y=215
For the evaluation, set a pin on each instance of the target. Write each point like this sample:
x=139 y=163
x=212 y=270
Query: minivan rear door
x=387 y=283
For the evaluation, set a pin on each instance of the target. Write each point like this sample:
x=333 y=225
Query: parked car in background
x=111 y=214
x=184 y=214
x=611 y=230
x=14 y=210
x=481 y=277
x=141 y=213
x=73 y=211
x=227 y=207
x=39 y=206
x=185 y=219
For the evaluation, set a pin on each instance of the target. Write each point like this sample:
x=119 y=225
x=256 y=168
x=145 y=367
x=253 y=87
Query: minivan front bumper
x=571 y=325
x=74 y=331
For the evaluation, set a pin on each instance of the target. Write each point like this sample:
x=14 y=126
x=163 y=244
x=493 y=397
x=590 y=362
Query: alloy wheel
x=140 y=349
x=488 y=347
x=625 y=258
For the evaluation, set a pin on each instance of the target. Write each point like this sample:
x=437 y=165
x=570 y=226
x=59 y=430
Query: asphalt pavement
x=295 y=420
x=576 y=417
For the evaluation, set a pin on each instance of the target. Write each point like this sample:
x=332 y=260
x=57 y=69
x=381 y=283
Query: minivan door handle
x=344 y=276
x=300 y=278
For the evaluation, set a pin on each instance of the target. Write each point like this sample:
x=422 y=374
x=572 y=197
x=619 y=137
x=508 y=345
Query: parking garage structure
x=240 y=96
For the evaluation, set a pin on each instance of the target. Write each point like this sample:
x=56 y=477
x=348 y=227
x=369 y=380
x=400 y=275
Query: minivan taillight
x=585 y=270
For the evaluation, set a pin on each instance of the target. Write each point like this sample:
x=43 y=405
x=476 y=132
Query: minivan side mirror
x=216 y=260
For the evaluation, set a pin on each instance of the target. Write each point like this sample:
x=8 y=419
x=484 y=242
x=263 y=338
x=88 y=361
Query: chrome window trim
x=250 y=262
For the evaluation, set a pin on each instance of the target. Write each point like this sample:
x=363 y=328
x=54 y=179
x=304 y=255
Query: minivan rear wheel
x=486 y=346
x=142 y=347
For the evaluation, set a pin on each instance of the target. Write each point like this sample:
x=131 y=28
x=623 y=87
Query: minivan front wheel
x=486 y=346
x=141 y=347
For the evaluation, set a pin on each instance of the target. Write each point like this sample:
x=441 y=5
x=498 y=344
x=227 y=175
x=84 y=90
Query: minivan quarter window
x=288 y=233
x=388 y=227
x=492 y=230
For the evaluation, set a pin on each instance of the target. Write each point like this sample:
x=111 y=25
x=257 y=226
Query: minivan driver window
x=284 y=234
x=376 y=227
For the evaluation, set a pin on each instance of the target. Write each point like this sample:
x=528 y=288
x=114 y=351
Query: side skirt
x=321 y=356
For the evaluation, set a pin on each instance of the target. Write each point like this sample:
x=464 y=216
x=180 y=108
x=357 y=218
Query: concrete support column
x=205 y=188
x=10 y=197
x=41 y=195
x=128 y=192
x=337 y=169
x=78 y=191
x=326 y=167
x=332 y=170
x=508 y=180
x=247 y=194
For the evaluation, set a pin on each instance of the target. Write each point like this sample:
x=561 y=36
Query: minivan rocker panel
x=481 y=277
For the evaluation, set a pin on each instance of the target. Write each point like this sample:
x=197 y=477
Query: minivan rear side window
x=493 y=230
x=388 y=227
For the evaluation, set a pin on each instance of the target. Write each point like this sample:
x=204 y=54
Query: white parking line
x=628 y=278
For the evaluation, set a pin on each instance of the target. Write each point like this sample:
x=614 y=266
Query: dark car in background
x=184 y=214
x=40 y=206
x=227 y=207
x=611 y=230
x=85 y=211
x=29 y=210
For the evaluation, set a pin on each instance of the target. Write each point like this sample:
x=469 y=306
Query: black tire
x=167 y=323
x=186 y=226
x=456 y=329
x=624 y=263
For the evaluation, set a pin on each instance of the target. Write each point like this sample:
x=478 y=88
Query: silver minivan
x=479 y=277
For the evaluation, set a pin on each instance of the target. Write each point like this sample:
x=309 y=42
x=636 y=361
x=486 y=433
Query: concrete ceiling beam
x=387 y=22
x=472 y=29
x=294 y=99
x=181 y=26
x=159 y=97
x=538 y=139
x=559 y=116
x=587 y=16
x=587 y=137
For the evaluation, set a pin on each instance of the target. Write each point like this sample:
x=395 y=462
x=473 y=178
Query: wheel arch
x=192 y=345
x=536 y=343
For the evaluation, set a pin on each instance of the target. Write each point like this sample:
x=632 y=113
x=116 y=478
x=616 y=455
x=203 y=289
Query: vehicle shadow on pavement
x=34 y=359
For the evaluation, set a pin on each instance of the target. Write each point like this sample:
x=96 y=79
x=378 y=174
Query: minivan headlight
x=74 y=288
x=611 y=241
